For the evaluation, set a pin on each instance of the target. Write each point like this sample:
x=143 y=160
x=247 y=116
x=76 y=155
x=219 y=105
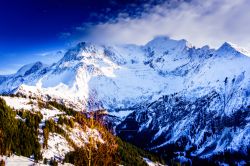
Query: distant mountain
x=168 y=91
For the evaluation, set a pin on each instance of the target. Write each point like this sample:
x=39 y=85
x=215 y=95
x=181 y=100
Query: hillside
x=50 y=133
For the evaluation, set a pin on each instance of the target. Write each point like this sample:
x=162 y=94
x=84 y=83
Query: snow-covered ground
x=18 y=161
x=57 y=147
x=15 y=160
x=19 y=103
x=151 y=163
x=120 y=114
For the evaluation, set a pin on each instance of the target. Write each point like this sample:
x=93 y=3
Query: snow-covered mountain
x=125 y=75
x=170 y=90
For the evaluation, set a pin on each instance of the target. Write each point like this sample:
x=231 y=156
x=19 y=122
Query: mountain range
x=166 y=95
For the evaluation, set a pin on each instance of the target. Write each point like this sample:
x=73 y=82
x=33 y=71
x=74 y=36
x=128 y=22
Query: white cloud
x=204 y=22
x=7 y=71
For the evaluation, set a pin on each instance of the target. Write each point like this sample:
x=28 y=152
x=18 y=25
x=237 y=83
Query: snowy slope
x=24 y=161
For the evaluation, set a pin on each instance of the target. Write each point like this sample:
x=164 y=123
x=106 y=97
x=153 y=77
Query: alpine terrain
x=186 y=104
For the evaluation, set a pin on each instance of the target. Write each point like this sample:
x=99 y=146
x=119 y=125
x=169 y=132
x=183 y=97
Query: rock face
x=200 y=125
x=165 y=92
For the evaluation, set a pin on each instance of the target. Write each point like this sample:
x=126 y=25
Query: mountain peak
x=75 y=52
x=30 y=68
x=229 y=48
x=84 y=45
x=228 y=45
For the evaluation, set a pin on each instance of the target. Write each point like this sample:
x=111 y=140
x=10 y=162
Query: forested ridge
x=19 y=136
x=19 y=132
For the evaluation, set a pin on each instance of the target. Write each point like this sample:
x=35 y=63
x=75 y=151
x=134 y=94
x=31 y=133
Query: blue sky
x=29 y=29
x=32 y=30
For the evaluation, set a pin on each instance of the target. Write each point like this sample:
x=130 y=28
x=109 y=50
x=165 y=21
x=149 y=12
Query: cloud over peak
x=201 y=22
